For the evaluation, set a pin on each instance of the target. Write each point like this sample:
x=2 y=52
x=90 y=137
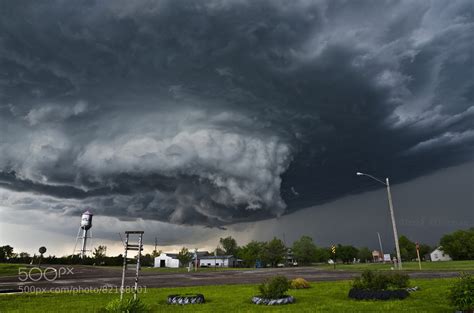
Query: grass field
x=8 y=269
x=408 y=266
x=321 y=297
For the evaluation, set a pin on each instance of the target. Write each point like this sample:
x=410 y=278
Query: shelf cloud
x=218 y=112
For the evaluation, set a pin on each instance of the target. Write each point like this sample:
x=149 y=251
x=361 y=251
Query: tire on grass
x=280 y=301
x=186 y=299
x=361 y=294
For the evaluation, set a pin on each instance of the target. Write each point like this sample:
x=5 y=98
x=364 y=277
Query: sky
x=195 y=120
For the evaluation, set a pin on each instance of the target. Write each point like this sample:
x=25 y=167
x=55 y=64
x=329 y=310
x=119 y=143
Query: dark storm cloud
x=216 y=112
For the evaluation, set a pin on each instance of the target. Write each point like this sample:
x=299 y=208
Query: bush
x=398 y=280
x=370 y=280
x=299 y=283
x=126 y=306
x=462 y=293
x=274 y=288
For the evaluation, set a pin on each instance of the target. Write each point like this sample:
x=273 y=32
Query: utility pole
x=394 y=225
x=392 y=215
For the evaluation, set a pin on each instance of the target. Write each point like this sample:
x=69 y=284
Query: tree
x=304 y=250
x=219 y=251
x=459 y=245
x=274 y=252
x=6 y=252
x=229 y=245
x=155 y=253
x=364 y=254
x=99 y=253
x=251 y=252
x=407 y=248
x=425 y=249
x=184 y=256
x=323 y=254
x=24 y=255
x=147 y=260
x=346 y=253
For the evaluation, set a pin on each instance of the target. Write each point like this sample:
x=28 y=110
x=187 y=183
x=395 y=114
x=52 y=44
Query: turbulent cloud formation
x=216 y=112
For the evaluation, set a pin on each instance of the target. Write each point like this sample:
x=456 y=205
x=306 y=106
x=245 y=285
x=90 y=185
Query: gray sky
x=183 y=115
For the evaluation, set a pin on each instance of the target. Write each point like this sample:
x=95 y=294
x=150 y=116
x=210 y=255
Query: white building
x=219 y=261
x=167 y=260
x=439 y=255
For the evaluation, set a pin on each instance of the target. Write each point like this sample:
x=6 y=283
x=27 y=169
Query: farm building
x=171 y=259
x=219 y=261
x=167 y=260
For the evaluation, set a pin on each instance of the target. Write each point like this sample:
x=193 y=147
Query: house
x=219 y=261
x=167 y=260
x=439 y=255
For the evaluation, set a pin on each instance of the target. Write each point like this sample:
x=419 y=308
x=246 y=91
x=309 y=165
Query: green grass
x=407 y=266
x=321 y=297
x=8 y=269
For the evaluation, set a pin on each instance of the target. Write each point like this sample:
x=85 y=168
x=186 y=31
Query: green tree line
x=459 y=245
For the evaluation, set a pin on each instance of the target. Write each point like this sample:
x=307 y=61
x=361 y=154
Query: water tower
x=86 y=224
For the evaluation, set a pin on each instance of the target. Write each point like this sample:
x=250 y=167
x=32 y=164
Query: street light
x=390 y=204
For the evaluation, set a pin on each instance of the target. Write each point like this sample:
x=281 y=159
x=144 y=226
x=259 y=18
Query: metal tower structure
x=132 y=247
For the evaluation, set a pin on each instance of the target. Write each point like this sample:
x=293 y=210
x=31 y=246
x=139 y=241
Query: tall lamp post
x=390 y=204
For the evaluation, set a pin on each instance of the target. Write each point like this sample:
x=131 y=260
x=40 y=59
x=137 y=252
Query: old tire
x=362 y=294
x=280 y=301
x=186 y=299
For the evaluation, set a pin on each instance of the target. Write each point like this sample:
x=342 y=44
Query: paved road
x=99 y=277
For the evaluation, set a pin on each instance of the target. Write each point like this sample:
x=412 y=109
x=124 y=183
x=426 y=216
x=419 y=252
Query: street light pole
x=392 y=215
x=394 y=225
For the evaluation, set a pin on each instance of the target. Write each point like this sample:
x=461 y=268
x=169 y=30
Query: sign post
x=418 y=254
x=333 y=249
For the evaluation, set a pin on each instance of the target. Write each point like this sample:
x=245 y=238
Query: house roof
x=440 y=249
x=211 y=257
x=171 y=255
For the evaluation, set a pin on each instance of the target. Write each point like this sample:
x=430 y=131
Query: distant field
x=322 y=297
x=408 y=266
x=7 y=269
